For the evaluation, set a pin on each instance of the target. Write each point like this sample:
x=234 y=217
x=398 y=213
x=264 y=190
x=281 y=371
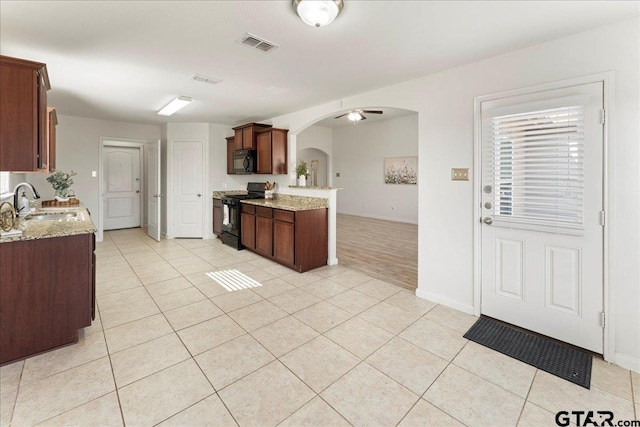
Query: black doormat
x=552 y=357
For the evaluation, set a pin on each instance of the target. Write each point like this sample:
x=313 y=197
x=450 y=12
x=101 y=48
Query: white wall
x=78 y=149
x=358 y=155
x=321 y=139
x=444 y=102
x=310 y=155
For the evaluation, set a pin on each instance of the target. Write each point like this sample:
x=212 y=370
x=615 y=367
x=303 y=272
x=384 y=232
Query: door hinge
x=602 y=218
x=602 y=319
x=603 y=116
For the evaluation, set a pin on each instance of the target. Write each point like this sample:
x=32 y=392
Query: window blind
x=535 y=162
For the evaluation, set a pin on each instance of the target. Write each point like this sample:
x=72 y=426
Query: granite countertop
x=219 y=194
x=44 y=229
x=290 y=203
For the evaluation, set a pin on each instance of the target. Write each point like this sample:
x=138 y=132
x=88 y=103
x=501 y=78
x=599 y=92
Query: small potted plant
x=61 y=182
x=301 y=172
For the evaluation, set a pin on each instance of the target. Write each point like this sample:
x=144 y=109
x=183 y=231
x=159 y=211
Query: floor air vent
x=256 y=42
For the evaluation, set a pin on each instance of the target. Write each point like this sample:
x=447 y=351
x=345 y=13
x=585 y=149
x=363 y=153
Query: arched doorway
x=376 y=229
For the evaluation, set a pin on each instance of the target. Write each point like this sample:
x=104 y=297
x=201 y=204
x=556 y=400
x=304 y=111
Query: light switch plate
x=459 y=174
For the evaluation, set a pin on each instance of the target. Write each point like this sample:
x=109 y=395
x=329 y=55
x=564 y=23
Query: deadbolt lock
x=487 y=189
x=488 y=205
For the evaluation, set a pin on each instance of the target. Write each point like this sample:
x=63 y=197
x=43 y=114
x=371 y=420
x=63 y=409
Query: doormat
x=550 y=356
x=233 y=280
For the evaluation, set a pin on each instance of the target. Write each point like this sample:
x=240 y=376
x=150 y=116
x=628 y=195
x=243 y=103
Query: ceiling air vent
x=256 y=42
x=204 y=79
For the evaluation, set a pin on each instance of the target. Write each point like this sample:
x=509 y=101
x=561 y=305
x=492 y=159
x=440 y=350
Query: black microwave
x=244 y=161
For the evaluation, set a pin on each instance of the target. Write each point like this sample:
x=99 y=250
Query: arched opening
x=377 y=221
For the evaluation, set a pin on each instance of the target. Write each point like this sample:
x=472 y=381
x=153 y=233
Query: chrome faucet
x=16 y=193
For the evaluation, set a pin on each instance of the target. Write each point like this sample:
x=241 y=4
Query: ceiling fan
x=356 y=115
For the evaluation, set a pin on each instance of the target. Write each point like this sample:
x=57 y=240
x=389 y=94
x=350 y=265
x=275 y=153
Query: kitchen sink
x=69 y=216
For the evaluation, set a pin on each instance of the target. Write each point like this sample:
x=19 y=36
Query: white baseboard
x=627 y=362
x=363 y=215
x=332 y=261
x=439 y=299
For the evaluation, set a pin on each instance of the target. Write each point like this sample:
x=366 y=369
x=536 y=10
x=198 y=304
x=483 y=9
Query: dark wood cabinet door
x=283 y=242
x=248 y=142
x=263 y=143
x=279 y=151
x=51 y=136
x=43 y=125
x=231 y=146
x=217 y=220
x=248 y=230
x=18 y=121
x=23 y=115
x=238 y=139
x=47 y=293
x=264 y=236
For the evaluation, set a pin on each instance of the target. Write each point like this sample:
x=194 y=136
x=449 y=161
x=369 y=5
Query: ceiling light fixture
x=174 y=106
x=354 y=116
x=318 y=13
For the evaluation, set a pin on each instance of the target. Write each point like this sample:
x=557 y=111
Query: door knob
x=487 y=189
x=487 y=220
x=137 y=191
x=199 y=195
x=488 y=205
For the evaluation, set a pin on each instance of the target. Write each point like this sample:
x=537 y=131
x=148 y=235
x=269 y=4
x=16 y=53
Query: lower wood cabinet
x=217 y=217
x=48 y=293
x=297 y=239
x=248 y=226
x=264 y=231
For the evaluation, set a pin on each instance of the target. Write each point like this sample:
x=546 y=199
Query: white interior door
x=542 y=204
x=153 y=190
x=187 y=185
x=121 y=166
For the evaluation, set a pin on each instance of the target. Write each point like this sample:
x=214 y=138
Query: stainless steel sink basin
x=69 y=216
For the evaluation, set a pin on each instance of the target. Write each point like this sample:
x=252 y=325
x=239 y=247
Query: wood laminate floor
x=386 y=250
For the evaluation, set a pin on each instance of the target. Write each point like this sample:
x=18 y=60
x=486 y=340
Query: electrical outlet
x=459 y=174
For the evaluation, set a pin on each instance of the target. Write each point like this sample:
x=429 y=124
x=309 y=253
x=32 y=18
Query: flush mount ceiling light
x=317 y=13
x=174 y=105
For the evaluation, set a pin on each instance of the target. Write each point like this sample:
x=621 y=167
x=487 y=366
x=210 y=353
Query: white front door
x=153 y=190
x=542 y=202
x=186 y=177
x=121 y=166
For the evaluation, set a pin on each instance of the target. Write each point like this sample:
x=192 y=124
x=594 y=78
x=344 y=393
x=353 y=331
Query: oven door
x=232 y=225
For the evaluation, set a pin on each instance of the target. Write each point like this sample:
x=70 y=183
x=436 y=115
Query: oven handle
x=245 y=163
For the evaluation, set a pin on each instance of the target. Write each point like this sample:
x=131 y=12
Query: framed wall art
x=401 y=170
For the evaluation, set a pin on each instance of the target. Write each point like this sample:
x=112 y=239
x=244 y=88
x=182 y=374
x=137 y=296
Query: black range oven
x=231 y=228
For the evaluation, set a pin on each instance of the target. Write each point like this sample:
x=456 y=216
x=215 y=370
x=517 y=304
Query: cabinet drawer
x=285 y=216
x=264 y=212
x=250 y=209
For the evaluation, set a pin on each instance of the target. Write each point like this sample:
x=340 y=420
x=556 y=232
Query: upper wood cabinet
x=230 y=149
x=245 y=135
x=23 y=115
x=271 y=146
x=52 y=122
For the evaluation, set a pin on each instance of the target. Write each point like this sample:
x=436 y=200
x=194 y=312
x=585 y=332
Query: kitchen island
x=47 y=283
x=290 y=230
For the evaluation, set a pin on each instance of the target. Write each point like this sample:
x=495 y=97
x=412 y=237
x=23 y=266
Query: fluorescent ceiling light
x=317 y=13
x=174 y=106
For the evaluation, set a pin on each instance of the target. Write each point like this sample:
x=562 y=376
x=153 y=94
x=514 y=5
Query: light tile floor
x=330 y=347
